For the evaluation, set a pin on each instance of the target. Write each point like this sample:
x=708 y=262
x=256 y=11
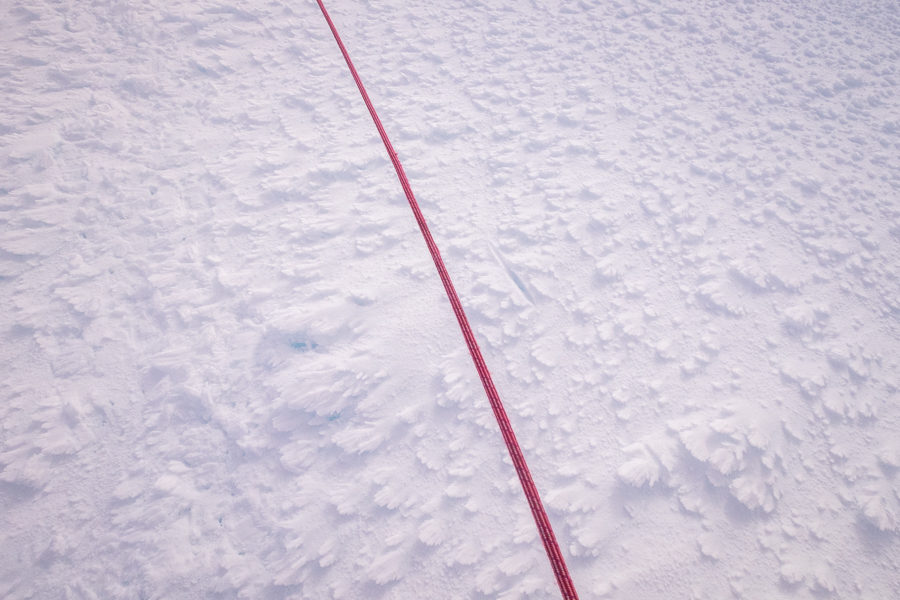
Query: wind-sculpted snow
x=229 y=369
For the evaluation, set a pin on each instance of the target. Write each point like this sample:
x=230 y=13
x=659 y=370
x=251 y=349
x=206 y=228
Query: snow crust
x=229 y=371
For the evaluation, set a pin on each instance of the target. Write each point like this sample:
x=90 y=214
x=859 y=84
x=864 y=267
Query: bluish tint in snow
x=303 y=346
x=229 y=369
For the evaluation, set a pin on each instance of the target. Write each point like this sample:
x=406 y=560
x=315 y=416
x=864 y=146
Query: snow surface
x=229 y=369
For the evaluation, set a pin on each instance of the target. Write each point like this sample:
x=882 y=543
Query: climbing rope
x=557 y=562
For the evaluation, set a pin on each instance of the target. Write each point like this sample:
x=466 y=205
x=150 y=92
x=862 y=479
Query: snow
x=229 y=369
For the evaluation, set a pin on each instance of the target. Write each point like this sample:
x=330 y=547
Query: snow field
x=229 y=369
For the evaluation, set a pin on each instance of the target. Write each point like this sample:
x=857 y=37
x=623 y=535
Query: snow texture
x=229 y=370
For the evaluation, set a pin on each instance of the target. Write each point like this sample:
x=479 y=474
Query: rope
x=557 y=562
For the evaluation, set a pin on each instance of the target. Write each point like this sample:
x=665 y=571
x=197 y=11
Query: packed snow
x=229 y=369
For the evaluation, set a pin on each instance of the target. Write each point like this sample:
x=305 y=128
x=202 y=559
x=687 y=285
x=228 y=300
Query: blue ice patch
x=304 y=346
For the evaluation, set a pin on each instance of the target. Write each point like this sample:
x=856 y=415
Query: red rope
x=534 y=500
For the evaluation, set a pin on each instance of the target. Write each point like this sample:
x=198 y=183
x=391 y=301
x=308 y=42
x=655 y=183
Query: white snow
x=229 y=369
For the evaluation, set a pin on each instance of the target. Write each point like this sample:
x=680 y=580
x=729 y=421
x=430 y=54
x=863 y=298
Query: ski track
x=229 y=369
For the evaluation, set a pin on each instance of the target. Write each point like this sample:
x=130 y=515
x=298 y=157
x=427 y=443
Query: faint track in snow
x=511 y=274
